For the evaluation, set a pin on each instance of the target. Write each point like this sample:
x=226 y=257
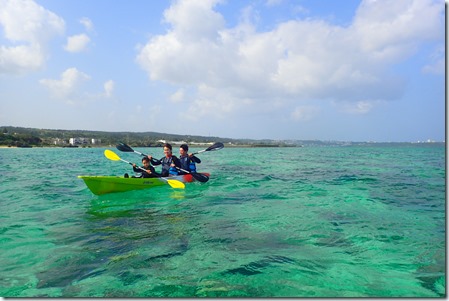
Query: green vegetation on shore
x=32 y=137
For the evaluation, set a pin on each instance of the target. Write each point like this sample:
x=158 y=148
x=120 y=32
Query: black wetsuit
x=187 y=162
x=166 y=162
x=144 y=174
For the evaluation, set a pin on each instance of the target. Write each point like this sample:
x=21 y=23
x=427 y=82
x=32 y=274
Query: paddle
x=114 y=157
x=214 y=147
x=198 y=176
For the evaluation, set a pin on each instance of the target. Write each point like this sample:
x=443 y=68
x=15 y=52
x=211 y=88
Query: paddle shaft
x=179 y=168
x=126 y=148
x=139 y=153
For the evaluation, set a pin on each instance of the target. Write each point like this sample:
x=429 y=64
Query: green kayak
x=107 y=184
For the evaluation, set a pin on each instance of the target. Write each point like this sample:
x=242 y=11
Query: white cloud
x=19 y=59
x=304 y=113
x=67 y=86
x=193 y=19
x=436 y=67
x=389 y=34
x=77 y=43
x=70 y=88
x=178 y=96
x=273 y=2
x=239 y=68
x=358 y=107
x=437 y=62
x=108 y=88
x=27 y=28
x=88 y=25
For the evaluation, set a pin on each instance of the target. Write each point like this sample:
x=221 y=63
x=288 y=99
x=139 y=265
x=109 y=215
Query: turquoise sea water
x=355 y=221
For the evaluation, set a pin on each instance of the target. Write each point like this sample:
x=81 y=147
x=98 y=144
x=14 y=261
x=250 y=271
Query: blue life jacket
x=166 y=168
x=192 y=166
x=173 y=171
x=186 y=164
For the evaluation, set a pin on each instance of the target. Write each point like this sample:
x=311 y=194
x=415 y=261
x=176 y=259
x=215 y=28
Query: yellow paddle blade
x=111 y=155
x=176 y=184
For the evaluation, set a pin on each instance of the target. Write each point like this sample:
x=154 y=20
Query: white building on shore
x=78 y=141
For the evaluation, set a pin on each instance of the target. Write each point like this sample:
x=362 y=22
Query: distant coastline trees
x=19 y=140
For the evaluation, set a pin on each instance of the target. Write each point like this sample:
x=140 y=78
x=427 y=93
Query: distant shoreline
x=242 y=145
x=36 y=137
x=113 y=146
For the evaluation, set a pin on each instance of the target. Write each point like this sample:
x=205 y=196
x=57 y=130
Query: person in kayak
x=187 y=160
x=149 y=170
x=169 y=162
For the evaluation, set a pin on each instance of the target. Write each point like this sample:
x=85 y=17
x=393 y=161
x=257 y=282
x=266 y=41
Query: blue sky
x=369 y=70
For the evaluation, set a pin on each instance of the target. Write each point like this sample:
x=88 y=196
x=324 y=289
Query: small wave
x=255 y=267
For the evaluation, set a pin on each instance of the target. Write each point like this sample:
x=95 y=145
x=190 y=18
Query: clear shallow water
x=358 y=221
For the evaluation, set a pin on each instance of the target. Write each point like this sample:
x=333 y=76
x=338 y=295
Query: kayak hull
x=109 y=184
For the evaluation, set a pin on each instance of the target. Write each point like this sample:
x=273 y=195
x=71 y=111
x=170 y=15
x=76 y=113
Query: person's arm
x=136 y=168
x=194 y=159
x=154 y=173
x=154 y=161
x=176 y=161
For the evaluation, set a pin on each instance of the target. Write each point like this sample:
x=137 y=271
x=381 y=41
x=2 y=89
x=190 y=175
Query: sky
x=346 y=70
